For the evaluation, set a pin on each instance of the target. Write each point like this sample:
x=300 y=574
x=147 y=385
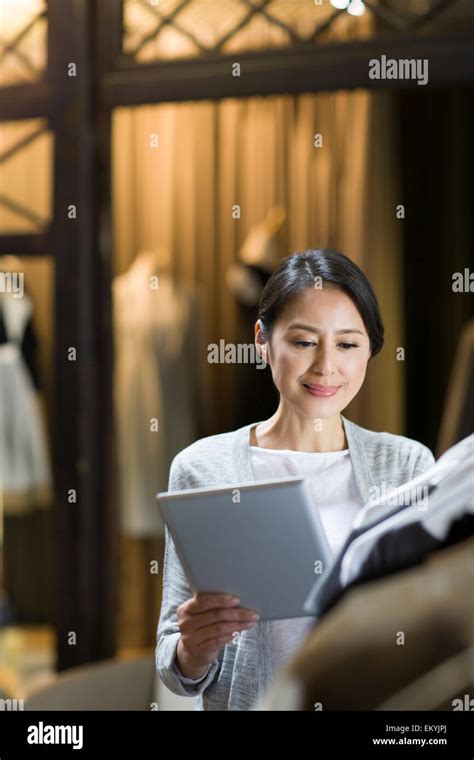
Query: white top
x=336 y=497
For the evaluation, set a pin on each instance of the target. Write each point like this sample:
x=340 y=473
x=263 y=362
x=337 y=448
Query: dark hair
x=297 y=272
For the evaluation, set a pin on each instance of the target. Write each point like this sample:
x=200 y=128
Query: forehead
x=327 y=306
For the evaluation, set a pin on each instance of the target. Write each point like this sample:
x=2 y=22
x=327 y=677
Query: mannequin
x=153 y=320
x=157 y=398
x=25 y=470
x=257 y=259
x=151 y=263
x=11 y=266
x=24 y=465
x=16 y=311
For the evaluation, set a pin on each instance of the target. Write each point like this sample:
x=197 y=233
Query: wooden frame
x=288 y=70
x=83 y=452
x=24 y=245
x=457 y=390
x=79 y=110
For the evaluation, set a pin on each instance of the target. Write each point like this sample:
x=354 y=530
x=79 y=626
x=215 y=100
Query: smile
x=322 y=391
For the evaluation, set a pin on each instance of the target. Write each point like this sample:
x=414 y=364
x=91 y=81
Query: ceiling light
x=356 y=8
x=340 y=4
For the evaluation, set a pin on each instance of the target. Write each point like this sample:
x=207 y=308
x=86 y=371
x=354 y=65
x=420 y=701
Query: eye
x=346 y=346
x=303 y=343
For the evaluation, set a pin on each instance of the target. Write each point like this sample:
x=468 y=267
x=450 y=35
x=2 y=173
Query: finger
x=216 y=643
x=207 y=650
x=203 y=602
x=190 y=622
x=211 y=617
x=215 y=631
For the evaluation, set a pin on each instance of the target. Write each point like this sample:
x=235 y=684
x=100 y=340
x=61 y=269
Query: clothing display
x=25 y=470
x=157 y=385
x=243 y=670
x=26 y=489
x=433 y=510
x=399 y=643
x=414 y=490
x=28 y=341
x=158 y=399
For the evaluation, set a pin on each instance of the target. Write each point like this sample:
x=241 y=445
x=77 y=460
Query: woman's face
x=318 y=352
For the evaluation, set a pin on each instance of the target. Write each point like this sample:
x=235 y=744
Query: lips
x=321 y=390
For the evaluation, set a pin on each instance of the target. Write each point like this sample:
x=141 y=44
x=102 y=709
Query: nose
x=324 y=362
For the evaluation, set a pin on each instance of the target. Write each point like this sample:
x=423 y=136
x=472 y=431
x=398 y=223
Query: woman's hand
x=207 y=622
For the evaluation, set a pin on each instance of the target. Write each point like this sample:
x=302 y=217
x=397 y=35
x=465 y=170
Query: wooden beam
x=109 y=29
x=24 y=245
x=108 y=45
x=83 y=385
x=320 y=67
x=25 y=101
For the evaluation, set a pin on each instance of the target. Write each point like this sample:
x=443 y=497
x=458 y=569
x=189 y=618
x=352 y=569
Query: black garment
x=394 y=550
x=28 y=348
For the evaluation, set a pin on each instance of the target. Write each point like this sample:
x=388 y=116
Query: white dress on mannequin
x=25 y=471
x=155 y=386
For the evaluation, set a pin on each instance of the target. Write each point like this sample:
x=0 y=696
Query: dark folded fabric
x=394 y=550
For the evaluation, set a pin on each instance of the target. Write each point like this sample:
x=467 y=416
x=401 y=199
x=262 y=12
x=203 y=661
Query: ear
x=259 y=343
x=258 y=335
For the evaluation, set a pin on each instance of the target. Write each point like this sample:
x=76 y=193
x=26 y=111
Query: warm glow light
x=340 y=4
x=14 y=14
x=356 y=8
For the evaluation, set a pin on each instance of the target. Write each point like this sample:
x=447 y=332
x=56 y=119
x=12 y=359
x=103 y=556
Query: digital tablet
x=263 y=542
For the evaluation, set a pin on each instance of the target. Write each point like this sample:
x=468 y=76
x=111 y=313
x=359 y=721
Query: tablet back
x=260 y=541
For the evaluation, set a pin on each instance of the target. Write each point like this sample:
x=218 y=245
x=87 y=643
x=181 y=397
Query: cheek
x=354 y=367
x=287 y=365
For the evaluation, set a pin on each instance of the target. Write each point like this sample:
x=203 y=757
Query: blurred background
x=157 y=161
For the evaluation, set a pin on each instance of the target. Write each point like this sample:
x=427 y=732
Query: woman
x=318 y=325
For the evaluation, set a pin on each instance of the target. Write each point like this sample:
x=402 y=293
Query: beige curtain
x=258 y=152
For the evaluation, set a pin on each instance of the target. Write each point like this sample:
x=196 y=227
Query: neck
x=288 y=430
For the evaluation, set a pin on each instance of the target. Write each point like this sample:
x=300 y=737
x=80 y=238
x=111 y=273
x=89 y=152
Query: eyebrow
x=301 y=326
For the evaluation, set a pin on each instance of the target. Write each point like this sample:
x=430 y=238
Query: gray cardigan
x=242 y=672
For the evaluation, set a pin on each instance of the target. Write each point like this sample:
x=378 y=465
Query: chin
x=324 y=407
x=319 y=411
x=315 y=409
